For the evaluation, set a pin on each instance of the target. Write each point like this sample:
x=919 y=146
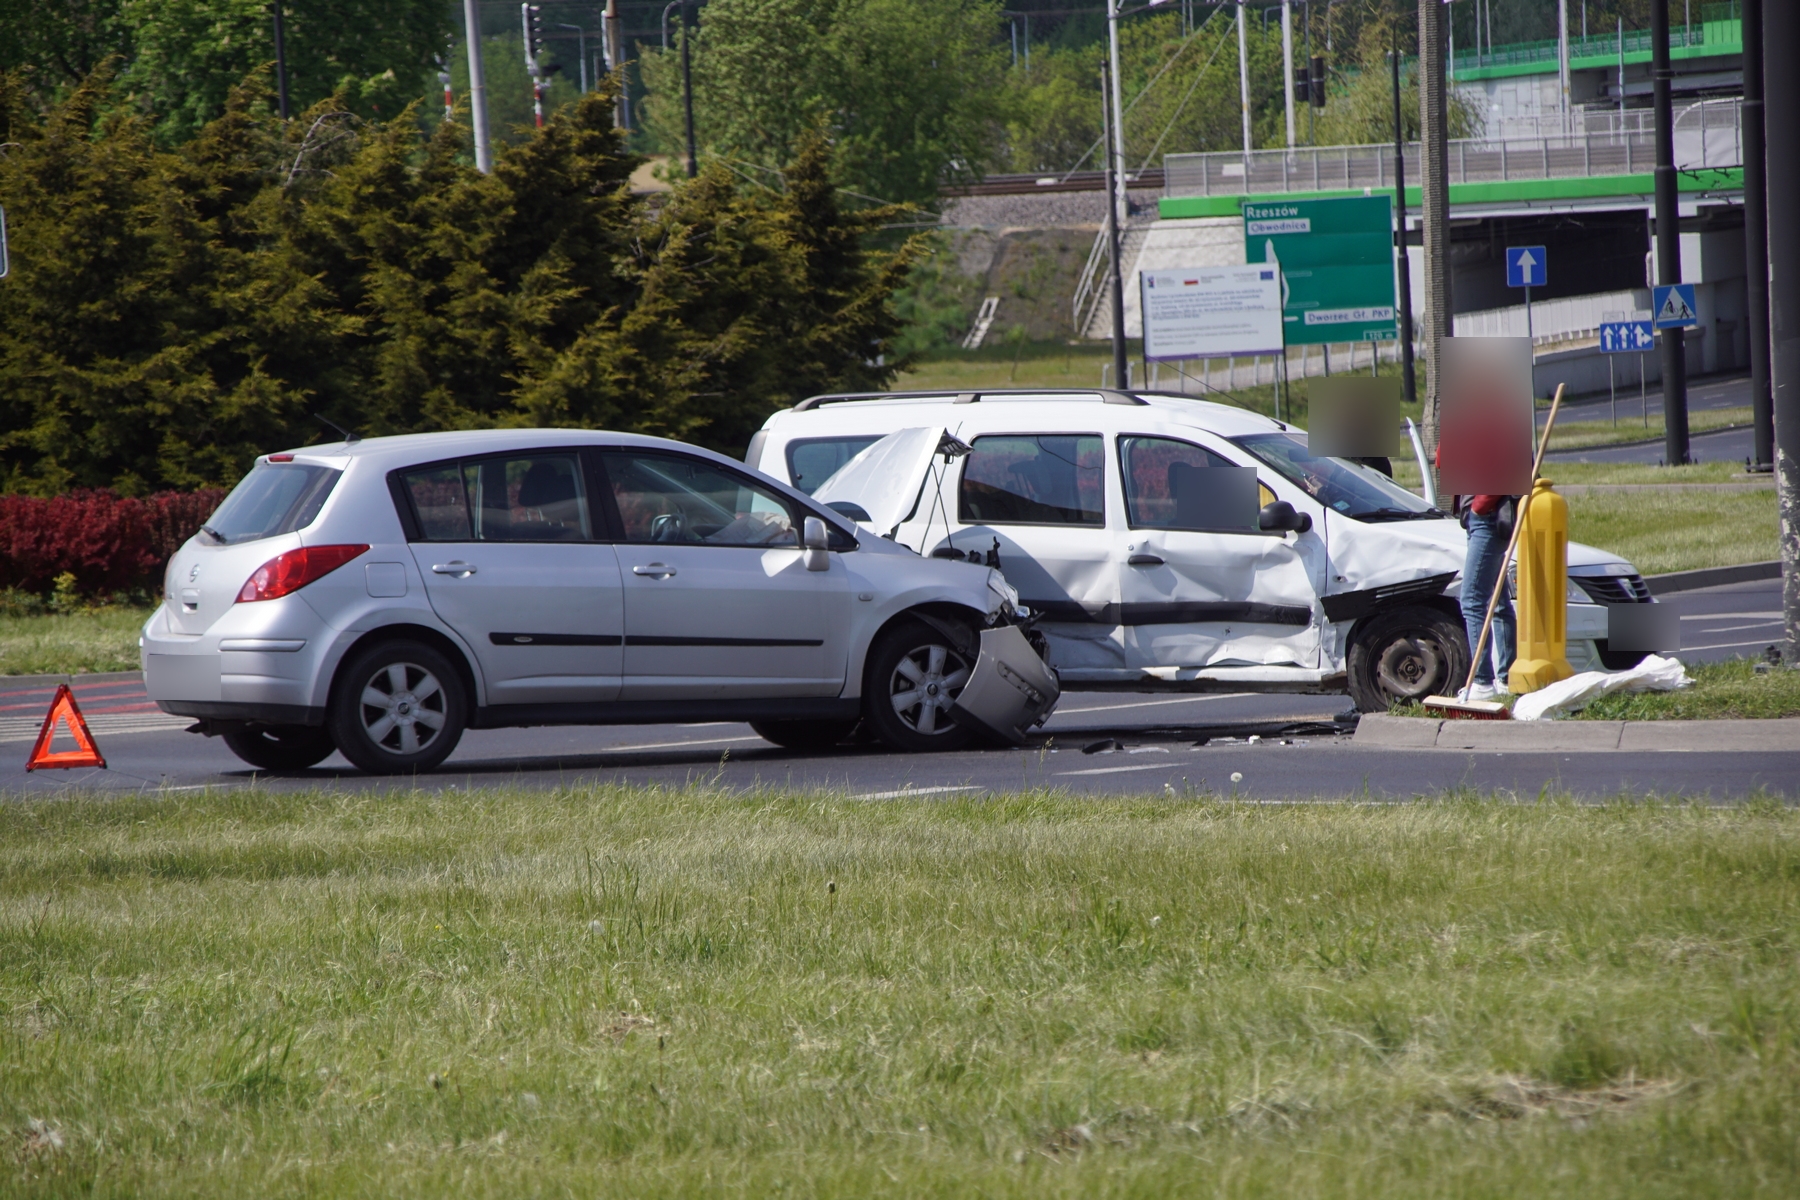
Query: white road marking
x=1115 y=770
x=25 y=729
x=1143 y=704
x=1736 y=628
x=1725 y=645
x=1726 y=616
x=671 y=745
x=903 y=793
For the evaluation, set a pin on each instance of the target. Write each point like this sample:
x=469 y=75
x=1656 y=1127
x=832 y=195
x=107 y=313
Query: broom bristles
x=1467 y=710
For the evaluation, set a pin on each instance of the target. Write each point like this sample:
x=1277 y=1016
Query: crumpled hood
x=1367 y=555
x=885 y=478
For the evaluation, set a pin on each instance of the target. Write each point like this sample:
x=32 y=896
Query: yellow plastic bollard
x=1543 y=601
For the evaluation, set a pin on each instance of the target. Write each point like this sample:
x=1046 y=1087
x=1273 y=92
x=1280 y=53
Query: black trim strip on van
x=1349 y=606
x=556 y=639
x=1171 y=613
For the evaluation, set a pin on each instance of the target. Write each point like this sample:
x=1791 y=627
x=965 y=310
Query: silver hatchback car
x=379 y=596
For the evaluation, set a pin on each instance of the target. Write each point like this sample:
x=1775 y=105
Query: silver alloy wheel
x=402 y=708
x=924 y=684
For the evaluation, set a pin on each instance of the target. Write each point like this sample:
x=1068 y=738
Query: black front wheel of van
x=397 y=707
x=281 y=747
x=1403 y=656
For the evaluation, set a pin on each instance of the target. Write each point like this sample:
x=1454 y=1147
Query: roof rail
x=1107 y=396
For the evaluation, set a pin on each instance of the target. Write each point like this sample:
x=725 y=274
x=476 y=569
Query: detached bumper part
x=1011 y=689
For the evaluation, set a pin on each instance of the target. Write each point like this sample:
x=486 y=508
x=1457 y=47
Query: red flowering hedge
x=110 y=543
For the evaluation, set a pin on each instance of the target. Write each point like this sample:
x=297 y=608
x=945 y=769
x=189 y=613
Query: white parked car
x=1168 y=543
x=380 y=596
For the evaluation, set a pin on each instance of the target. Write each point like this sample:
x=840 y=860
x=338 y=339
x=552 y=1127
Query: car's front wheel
x=397 y=707
x=1406 y=655
x=281 y=747
x=914 y=675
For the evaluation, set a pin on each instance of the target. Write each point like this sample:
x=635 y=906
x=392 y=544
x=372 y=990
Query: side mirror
x=815 y=541
x=1280 y=517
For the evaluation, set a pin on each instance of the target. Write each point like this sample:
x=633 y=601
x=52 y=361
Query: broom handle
x=1511 y=544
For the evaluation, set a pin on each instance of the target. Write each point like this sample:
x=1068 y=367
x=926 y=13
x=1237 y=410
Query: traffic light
x=1316 y=79
x=532 y=18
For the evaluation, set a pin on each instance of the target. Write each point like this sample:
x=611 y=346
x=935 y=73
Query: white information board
x=1211 y=312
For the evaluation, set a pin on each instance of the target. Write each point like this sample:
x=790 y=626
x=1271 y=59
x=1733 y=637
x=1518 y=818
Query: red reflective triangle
x=64 y=709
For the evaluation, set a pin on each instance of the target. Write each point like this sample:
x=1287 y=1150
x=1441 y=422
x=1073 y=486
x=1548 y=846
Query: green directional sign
x=1337 y=262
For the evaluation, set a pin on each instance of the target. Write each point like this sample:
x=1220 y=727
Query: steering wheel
x=666 y=528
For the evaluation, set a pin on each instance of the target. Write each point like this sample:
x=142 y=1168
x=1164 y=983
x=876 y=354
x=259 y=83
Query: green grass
x=1678 y=530
x=1574 y=435
x=1730 y=689
x=633 y=992
x=75 y=643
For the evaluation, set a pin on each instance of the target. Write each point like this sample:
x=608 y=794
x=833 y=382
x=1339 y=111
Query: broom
x=1489 y=710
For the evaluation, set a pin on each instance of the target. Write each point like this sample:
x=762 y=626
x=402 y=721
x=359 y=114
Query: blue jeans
x=1487 y=546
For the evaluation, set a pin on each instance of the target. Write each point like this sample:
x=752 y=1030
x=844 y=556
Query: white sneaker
x=1477 y=691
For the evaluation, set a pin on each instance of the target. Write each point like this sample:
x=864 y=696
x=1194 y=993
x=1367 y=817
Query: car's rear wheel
x=1406 y=655
x=281 y=747
x=804 y=735
x=397 y=707
x=914 y=675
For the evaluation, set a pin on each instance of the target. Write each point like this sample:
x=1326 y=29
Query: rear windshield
x=274 y=498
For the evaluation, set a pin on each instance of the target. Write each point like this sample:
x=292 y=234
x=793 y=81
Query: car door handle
x=1144 y=560
x=455 y=566
x=654 y=571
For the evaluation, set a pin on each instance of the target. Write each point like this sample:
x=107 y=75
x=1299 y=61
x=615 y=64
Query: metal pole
x=281 y=92
x=1622 y=133
x=1243 y=83
x=1668 y=240
x=1756 y=238
x=1121 y=369
x=687 y=86
x=1312 y=111
x=612 y=40
x=1781 y=44
x=581 y=42
x=1434 y=139
x=484 y=152
x=1408 y=379
x=1117 y=191
x=1287 y=65
x=1612 y=383
x=667 y=9
x=1562 y=57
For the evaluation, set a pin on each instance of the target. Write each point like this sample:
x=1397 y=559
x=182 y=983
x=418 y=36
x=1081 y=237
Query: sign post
x=1619 y=335
x=1527 y=267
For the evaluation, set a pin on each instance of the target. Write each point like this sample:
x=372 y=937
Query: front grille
x=1615 y=589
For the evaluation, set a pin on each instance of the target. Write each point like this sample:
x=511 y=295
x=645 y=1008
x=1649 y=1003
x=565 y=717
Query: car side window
x=514 y=498
x=814 y=460
x=1171 y=484
x=688 y=501
x=1034 y=479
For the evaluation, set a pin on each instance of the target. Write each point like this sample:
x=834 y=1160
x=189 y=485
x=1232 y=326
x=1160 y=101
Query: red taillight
x=294 y=570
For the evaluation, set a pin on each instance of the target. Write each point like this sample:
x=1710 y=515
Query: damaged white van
x=1166 y=543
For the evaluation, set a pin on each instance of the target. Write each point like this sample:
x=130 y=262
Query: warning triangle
x=64 y=711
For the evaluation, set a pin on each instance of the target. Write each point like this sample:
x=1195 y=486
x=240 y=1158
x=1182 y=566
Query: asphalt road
x=1140 y=744
x=1725 y=445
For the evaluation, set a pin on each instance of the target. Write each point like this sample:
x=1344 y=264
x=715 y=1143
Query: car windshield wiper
x=1400 y=514
x=214 y=534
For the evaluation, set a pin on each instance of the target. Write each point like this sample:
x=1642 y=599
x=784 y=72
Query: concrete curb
x=1382 y=732
x=1688 y=581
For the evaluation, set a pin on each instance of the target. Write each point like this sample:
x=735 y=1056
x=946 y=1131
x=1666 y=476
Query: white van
x=1151 y=569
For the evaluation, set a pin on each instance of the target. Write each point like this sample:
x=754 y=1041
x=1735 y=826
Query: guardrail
x=1706 y=135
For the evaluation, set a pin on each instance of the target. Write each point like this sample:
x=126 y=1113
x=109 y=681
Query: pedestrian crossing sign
x=1675 y=307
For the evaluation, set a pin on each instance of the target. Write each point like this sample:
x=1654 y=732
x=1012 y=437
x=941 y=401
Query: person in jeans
x=1489 y=520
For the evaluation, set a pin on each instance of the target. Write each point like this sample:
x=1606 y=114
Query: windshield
x=274 y=498
x=1345 y=487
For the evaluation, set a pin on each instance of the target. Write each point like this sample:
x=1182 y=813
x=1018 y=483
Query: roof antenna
x=350 y=439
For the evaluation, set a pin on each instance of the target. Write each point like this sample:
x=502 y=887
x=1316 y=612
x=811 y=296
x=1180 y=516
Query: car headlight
x=1576 y=595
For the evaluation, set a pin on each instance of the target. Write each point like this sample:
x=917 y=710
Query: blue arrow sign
x=1525 y=266
x=1674 y=306
x=1626 y=337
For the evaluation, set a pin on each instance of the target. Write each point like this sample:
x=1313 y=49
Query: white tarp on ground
x=1654 y=674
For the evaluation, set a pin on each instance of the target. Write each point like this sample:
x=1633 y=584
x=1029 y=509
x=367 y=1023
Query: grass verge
x=1721 y=690
x=631 y=992
x=75 y=643
x=1682 y=530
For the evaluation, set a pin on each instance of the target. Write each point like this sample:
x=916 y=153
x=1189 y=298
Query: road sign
x=1337 y=266
x=1525 y=266
x=1675 y=308
x=1211 y=312
x=1627 y=337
